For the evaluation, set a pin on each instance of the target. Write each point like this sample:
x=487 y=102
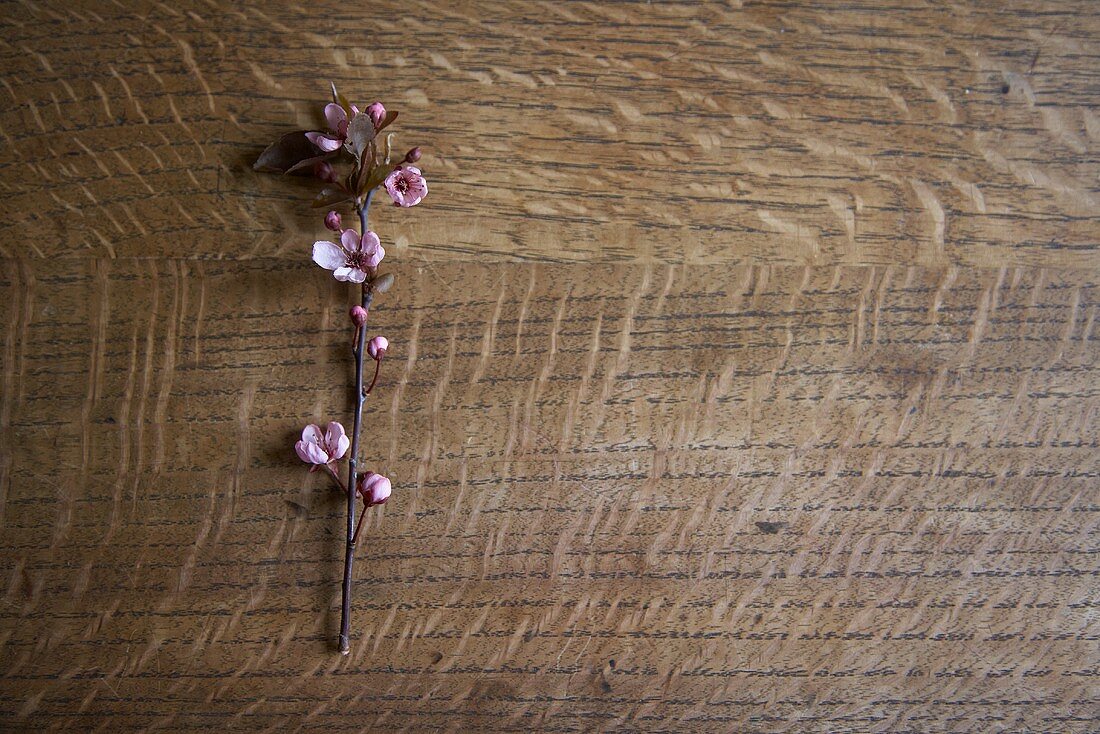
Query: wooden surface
x=802 y=437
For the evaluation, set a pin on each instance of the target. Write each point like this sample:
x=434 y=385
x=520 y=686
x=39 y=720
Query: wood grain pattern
x=743 y=380
x=629 y=498
x=859 y=133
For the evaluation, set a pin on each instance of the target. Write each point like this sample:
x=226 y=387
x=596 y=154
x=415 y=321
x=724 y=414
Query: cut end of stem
x=345 y=648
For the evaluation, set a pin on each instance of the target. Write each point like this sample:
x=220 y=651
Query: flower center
x=357 y=260
x=401 y=184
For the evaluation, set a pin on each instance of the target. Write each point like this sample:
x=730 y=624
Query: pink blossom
x=406 y=186
x=338 y=122
x=377 y=113
x=374 y=488
x=315 y=448
x=352 y=258
x=377 y=346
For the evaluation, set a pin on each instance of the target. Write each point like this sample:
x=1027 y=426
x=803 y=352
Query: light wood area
x=654 y=132
x=743 y=374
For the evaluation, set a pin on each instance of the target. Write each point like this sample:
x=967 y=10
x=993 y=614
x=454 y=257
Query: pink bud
x=413 y=155
x=358 y=315
x=374 y=489
x=332 y=221
x=324 y=171
x=377 y=346
x=377 y=113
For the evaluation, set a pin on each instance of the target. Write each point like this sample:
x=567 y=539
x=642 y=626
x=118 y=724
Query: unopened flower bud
x=377 y=346
x=374 y=489
x=324 y=171
x=413 y=155
x=358 y=315
x=332 y=221
x=377 y=113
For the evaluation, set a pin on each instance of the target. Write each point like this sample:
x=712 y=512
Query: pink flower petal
x=311 y=453
x=349 y=238
x=336 y=440
x=312 y=433
x=329 y=256
x=334 y=115
x=391 y=188
x=375 y=257
x=418 y=189
x=352 y=275
x=323 y=142
x=382 y=491
x=369 y=241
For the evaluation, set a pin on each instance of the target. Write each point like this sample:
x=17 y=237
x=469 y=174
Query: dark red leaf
x=377 y=176
x=285 y=153
x=389 y=118
x=362 y=171
x=341 y=100
x=360 y=132
x=307 y=165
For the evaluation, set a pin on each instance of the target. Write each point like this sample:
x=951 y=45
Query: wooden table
x=743 y=376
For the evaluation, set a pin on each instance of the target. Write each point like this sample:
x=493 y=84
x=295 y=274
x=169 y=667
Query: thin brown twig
x=349 y=551
x=359 y=526
x=377 y=367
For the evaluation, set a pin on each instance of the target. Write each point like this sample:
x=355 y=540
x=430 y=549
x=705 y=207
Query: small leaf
x=330 y=195
x=285 y=153
x=300 y=166
x=382 y=283
x=377 y=176
x=360 y=132
x=363 y=170
x=341 y=100
x=389 y=118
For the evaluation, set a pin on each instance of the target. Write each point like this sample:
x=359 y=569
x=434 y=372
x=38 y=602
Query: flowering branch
x=350 y=135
